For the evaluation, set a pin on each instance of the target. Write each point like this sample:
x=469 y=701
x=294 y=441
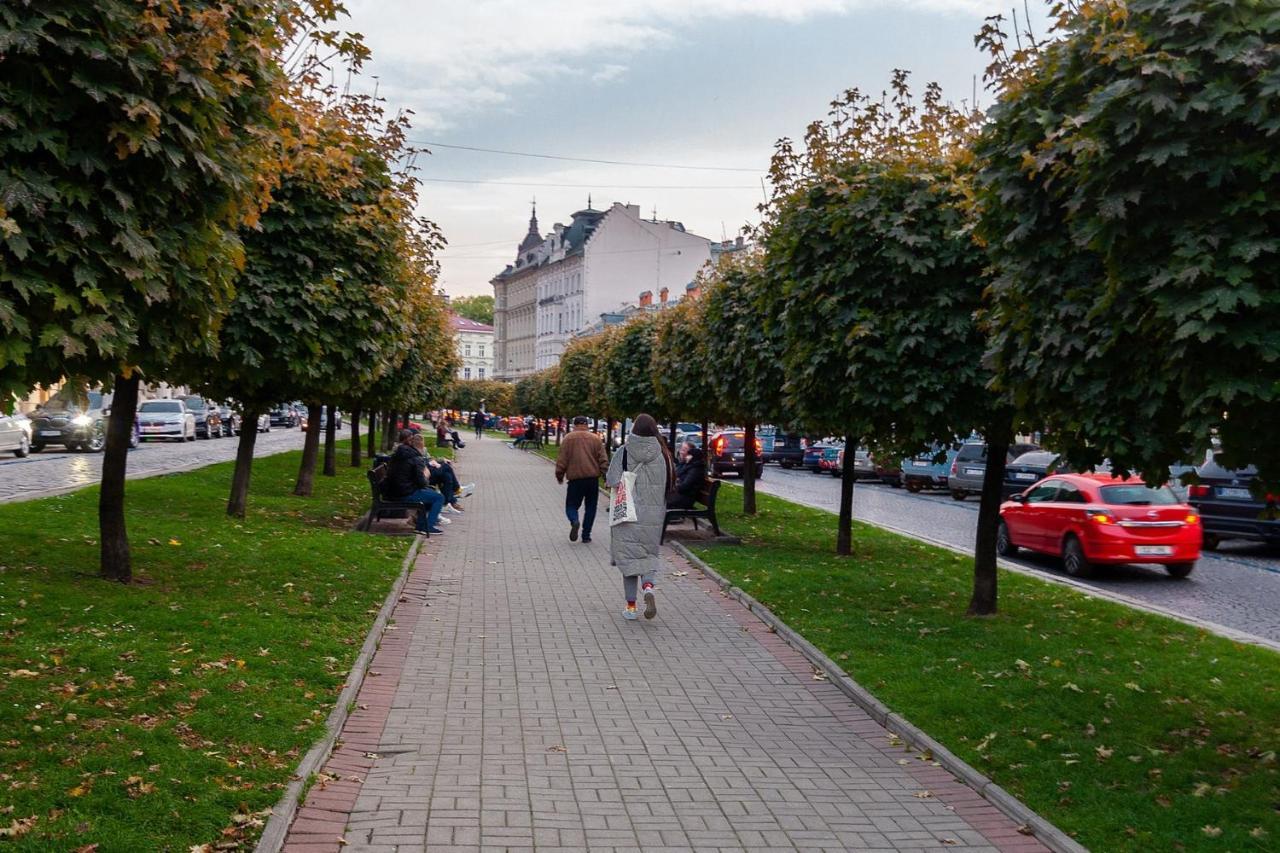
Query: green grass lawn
x=1127 y=730
x=168 y=713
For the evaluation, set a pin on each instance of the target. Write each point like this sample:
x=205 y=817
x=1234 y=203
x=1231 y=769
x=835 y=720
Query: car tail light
x=1102 y=517
x=1198 y=491
x=1192 y=519
x=759 y=448
x=953 y=468
x=719 y=445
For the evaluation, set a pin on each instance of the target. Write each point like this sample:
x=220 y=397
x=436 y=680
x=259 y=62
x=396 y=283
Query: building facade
x=474 y=342
x=564 y=281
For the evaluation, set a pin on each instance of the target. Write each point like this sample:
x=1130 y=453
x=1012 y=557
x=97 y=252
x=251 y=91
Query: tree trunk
x=331 y=443
x=844 y=535
x=370 y=445
x=239 y=499
x=622 y=431
x=116 y=563
x=705 y=437
x=671 y=439
x=983 y=602
x=749 y=472
x=355 y=437
x=310 y=450
x=388 y=431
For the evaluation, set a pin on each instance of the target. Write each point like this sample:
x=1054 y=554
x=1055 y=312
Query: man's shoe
x=586 y=538
x=466 y=490
x=421 y=532
x=650 y=604
x=573 y=531
x=435 y=531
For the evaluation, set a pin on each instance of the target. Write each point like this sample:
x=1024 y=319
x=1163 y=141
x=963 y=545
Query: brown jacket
x=581 y=456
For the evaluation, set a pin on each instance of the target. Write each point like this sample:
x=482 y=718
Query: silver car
x=170 y=419
x=15 y=435
x=969 y=468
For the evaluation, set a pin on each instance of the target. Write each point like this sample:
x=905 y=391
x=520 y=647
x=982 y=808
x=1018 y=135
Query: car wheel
x=1179 y=570
x=134 y=439
x=1211 y=542
x=913 y=486
x=37 y=447
x=1073 y=559
x=192 y=436
x=1004 y=545
x=24 y=447
x=959 y=494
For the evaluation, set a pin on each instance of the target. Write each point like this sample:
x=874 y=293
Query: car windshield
x=194 y=402
x=68 y=401
x=161 y=406
x=1138 y=494
x=1037 y=459
x=972 y=453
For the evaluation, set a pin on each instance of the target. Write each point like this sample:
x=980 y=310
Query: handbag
x=622 y=505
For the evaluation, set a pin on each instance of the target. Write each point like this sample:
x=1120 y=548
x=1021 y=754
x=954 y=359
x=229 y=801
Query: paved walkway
x=512 y=707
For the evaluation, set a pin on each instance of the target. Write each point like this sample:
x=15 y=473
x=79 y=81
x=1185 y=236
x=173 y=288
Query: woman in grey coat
x=634 y=544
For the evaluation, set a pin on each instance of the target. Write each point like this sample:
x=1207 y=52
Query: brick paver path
x=514 y=708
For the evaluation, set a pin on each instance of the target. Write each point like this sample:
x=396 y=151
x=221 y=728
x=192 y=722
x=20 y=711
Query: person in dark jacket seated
x=691 y=473
x=407 y=482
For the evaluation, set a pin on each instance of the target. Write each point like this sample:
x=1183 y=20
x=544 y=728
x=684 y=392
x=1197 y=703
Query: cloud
x=448 y=60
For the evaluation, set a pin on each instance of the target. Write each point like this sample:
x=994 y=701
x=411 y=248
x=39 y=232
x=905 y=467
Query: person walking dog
x=582 y=461
x=634 y=545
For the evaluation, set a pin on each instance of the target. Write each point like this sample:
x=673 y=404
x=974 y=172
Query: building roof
x=464 y=324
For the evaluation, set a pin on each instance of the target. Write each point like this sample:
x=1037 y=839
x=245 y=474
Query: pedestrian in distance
x=478 y=419
x=582 y=461
x=634 y=545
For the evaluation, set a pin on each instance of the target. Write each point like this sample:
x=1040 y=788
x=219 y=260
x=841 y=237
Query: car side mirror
x=1018 y=498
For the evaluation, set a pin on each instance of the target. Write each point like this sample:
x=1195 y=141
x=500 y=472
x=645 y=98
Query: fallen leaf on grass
x=1211 y=831
x=1103 y=752
x=23 y=673
x=1257 y=832
x=1072 y=686
x=1133 y=685
x=19 y=827
x=174 y=542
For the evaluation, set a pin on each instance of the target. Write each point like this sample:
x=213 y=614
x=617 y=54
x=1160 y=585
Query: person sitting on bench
x=691 y=472
x=406 y=482
x=440 y=475
x=530 y=435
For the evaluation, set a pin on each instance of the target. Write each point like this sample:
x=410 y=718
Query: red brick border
x=981 y=815
x=322 y=819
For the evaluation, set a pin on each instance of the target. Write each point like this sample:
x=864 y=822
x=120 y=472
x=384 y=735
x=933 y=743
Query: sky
x=711 y=84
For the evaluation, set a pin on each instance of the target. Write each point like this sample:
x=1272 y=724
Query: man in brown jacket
x=582 y=461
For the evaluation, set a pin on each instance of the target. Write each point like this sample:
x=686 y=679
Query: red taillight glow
x=1192 y=519
x=1101 y=517
x=759 y=448
x=719 y=445
x=1198 y=491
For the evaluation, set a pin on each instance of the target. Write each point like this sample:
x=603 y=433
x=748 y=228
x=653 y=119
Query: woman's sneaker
x=629 y=612
x=466 y=490
x=650 y=603
x=454 y=508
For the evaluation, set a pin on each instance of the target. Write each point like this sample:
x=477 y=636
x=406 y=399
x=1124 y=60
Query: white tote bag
x=622 y=506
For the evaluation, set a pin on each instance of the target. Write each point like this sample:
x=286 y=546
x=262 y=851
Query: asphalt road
x=54 y=469
x=1238 y=586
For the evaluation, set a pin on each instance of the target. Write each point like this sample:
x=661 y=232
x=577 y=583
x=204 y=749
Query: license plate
x=50 y=433
x=1153 y=550
x=1022 y=476
x=1238 y=494
x=975 y=472
x=152 y=429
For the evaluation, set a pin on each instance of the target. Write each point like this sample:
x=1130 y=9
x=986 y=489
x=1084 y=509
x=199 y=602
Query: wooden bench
x=706 y=497
x=380 y=506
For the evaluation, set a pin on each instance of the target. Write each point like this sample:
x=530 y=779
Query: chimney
x=662 y=296
x=692 y=290
x=646 y=299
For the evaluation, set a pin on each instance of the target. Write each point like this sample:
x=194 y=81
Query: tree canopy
x=478 y=308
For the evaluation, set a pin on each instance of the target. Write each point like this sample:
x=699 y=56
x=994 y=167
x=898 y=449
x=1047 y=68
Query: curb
x=283 y=812
x=1048 y=834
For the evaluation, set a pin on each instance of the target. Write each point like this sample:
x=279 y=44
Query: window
x=482 y=350
x=481 y=370
x=1043 y=493
x=1069 y=493
x=467 y=350
x=466 y=373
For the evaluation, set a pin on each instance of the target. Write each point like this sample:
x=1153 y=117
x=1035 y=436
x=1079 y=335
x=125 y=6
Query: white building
x=475 y=348
x=564 y=281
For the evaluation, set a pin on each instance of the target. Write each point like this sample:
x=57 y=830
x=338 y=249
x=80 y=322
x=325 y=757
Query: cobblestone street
x=512 y=707
x=52 y=471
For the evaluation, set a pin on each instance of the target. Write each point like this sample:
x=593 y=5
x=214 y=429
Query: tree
x=135 y=139
x=627 y=368
x=681 y=383
x=741 y=354
x=466 y=395
x=579 y=384
x=1127 y=198
x=478 y=308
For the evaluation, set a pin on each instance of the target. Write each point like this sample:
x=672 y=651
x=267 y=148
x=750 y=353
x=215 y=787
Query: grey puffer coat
x=634 y=545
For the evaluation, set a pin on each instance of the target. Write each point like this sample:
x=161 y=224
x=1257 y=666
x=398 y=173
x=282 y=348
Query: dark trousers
x=679 y=501
x=584 y=489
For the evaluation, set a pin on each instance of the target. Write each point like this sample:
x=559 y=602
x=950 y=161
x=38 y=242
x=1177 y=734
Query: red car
x=1097 y=519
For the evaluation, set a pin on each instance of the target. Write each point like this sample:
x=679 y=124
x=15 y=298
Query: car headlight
x=81 y=420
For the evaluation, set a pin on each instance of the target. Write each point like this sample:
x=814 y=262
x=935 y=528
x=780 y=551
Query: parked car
x=812 y=459
x=208 y=421
x=787 y=450
x=863 y=469
x=1096 y=519
x=969 y=468
x=167 y=419
x=15 y=435
x=76 y=424
x=324 y=419
x=728 y=453
x=1029 y=469
x=264 y=422
x=1228 y=507
x=230 y=419
x=283 y=416
x=888 y=470
x=928 y=470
